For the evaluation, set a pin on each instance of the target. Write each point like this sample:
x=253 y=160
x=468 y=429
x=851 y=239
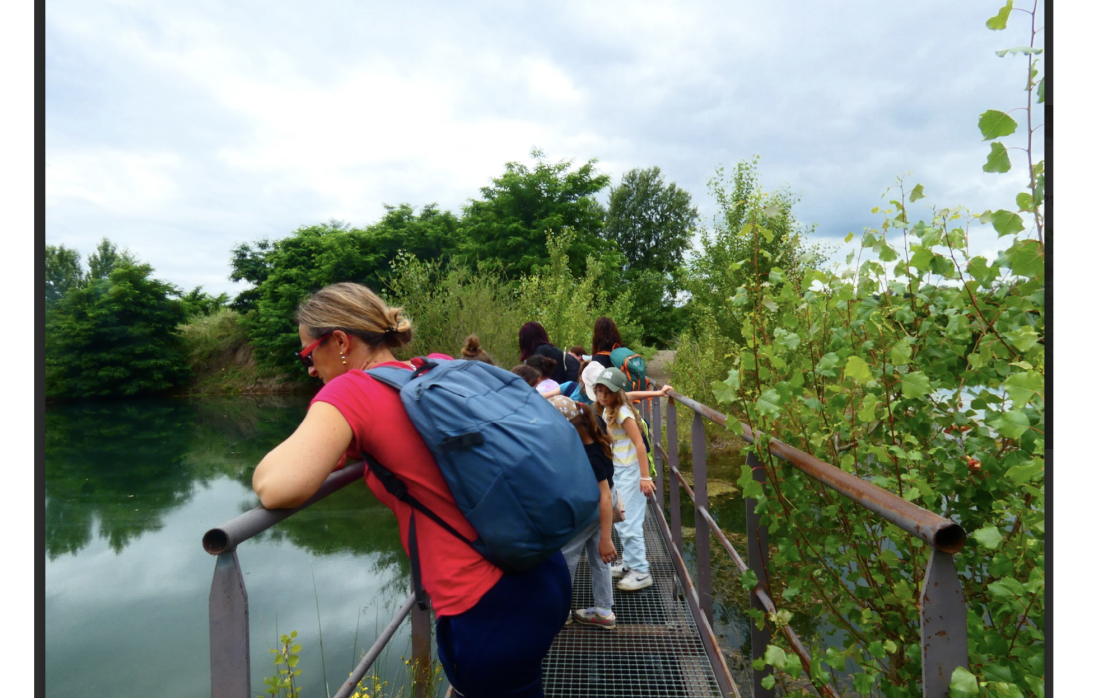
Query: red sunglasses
x=305 y=355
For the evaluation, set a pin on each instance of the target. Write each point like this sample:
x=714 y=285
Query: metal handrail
x=943 y=534
x=944 y=633
x=229 y=602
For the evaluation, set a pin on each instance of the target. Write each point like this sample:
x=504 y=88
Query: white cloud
x=233 y=122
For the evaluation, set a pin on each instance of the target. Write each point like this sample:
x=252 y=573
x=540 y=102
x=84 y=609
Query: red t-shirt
x=454 y=575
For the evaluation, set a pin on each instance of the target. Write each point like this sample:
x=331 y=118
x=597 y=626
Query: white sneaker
x=634 y=581
x=618 y=569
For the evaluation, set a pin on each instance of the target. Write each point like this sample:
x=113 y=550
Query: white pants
x=627 y=480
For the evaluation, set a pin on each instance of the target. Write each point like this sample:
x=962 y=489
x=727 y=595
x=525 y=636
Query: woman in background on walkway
x=533 y=339
x=493 y=629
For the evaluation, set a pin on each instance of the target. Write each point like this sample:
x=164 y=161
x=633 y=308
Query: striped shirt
x=624 y=451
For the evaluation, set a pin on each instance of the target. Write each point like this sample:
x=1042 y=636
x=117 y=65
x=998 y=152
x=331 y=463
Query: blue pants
x=496 y=648
x=627 y=480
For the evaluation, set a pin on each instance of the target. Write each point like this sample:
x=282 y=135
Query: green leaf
x=1021 y=387
x=858 y=370
x=1024 y=201
x=867 y=412
x=786 y=339
x=1011 y=424
x=1042 y=91
x=1021 y=474
x=776 y=276
x=827 y=364
x=996 y=124
x=915 y=384
x=942 y=266
x=929 y=235
x=1006 y=223
x=765 y=233
x=724 y=392
x=863 y=683
x=1026 y=259
x=1023 y=338
x=890 y=646
x=997 y=159
x=963 y=682
x=900 y=352
x=768 y=682
x=1000 y=20
x=835 y=659
x=916 y=193
x=921 y=258
x=775 y=656
x=748 y=579
x=988 y=537
x=875 y=649
x=1019 y=50
x=769 y=403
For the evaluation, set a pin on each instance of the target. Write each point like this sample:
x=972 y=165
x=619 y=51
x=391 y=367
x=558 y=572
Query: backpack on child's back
x=633 y=366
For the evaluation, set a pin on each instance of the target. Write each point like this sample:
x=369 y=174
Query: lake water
x=130 y=489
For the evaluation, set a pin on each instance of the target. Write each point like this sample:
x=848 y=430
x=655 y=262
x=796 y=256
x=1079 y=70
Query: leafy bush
x=207 y=338
x=447 y=304
x=920 y=367
x=115 y=336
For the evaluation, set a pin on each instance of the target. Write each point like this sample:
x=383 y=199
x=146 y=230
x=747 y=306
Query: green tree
x=652 y=222
x=115 y=336
x=753 y=232
x=507 y=229
x=63 y=272
x=106 y=258
x=198 y=302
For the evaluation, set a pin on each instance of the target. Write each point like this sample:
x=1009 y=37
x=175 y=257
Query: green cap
x=612 y=378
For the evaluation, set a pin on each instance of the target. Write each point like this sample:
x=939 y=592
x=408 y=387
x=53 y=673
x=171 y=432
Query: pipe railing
x=229 y=603
x=943 y=629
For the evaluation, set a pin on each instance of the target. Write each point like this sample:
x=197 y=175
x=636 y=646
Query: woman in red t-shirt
x=493 y=629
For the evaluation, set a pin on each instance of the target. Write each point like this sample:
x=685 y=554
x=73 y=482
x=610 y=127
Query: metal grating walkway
x=655 y=650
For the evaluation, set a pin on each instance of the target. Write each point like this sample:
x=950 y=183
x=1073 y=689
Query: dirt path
x=657 y=368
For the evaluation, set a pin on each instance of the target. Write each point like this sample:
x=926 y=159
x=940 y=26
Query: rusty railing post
x=944 y=631
x=421 y=619
x=655 y=441
x=758 y=561
x=229 y=630
x=700 y=489
x=674 y=484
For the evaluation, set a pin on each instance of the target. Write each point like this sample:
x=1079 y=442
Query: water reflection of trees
x=121 y=463
x=127 y=464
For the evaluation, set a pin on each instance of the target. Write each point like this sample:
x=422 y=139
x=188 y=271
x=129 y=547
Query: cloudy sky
x=179 y=130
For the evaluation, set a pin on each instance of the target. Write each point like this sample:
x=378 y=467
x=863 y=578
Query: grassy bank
x=221 y=360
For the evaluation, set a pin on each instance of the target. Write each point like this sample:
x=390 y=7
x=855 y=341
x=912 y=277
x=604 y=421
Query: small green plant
x=287 y=657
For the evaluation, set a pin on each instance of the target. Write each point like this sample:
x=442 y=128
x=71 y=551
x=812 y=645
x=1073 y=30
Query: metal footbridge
x=663 y=644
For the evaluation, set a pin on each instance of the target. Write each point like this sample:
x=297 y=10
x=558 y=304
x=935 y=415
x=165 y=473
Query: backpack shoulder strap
x=397 y=488
x=392 y=376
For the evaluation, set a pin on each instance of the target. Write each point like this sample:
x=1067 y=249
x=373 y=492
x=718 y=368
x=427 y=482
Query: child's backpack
x=574 y=390
x=511 y=460
x=633 y=366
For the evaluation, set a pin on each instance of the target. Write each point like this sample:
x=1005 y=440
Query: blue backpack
x=515 y=466
x=574 y=390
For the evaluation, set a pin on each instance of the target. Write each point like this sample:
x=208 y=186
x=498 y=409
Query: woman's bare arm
x=297 y=468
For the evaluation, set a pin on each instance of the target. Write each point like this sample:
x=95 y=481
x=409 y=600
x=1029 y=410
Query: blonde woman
x=493 y=628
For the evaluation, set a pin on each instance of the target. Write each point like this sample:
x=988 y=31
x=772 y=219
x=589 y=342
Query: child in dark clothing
x=596 y=538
